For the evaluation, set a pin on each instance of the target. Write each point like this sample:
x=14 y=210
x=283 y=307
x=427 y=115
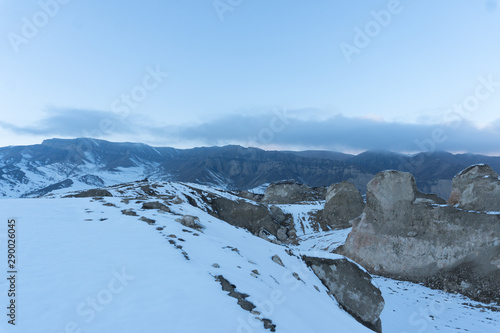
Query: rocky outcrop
x=155 y=205
x=352 y=288
x=476 y=188
x=289 y=192
x=243 y=302
x=405 y=234
x=343 y=204
x=91 y=193
x=253 y=217
x=278 y=215
x=250 y=196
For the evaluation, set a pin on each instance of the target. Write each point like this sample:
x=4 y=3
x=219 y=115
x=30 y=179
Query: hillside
x=89 y=263
x=78 y=164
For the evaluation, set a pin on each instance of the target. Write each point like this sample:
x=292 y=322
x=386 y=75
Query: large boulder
x=343 y=204
x=155 y=205
x=244 y=214
x=278 y=215
x=405 y=234
x=352 y=288
x=190 y=222
x=476 y=188
x=289 y=192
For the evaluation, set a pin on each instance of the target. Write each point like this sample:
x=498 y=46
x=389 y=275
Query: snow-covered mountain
x=28 y=171
x=128 y=263
x=78 y=164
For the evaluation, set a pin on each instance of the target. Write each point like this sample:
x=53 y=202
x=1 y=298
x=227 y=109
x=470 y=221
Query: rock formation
x=253 y=217
x=352 y=288
x=405 y=234
x=343 y=204
x=91 y=193
x=289 y=192
x=476 y=188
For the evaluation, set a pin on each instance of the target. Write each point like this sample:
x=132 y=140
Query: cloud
x=345 y=133
x=74 y=123
x=278 y=130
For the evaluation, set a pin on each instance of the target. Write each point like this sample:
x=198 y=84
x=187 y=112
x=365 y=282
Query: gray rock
x=264 y=234
x=92 y=193
x=231 y=290
x=320 y=192
x=251 y=196
x=129 y=212
x=277 y=260
x=147 y=220
x=435 y=244
x=352 y=288
x=253 y=217
x=343 y=204
x=155 y=205
x=190 y=222
x=476 y=188
x=177 y=200
x=282 y=234
x=292 y=234
x=277 y=214
x=288 y=192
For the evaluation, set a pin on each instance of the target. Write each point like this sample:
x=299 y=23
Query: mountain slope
x=29 y=171
x=85 y=265
x=90 y=266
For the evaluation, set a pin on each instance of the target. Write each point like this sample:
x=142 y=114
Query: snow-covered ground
x=84 y=266
x=77 y=272
x=410 y=307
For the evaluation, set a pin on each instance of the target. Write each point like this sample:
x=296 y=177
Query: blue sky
x=417 y=75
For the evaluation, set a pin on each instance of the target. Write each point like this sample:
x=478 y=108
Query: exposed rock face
x=155 y=205
x=278 y=215
x=403 y=233
x=253 y=217
x=352 y=288
x=288 y=192
x=476 y=188
x=92 y=193
x=251 y=196
x=343 y=204
x=320 y=192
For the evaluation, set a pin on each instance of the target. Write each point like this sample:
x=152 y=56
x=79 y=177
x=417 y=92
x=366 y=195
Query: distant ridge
x=75 y=164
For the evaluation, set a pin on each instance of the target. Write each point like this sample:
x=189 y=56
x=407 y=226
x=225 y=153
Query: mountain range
x=76 y=164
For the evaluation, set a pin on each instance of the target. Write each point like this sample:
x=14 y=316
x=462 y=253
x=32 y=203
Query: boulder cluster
x=453 y=246
x=290 y=192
